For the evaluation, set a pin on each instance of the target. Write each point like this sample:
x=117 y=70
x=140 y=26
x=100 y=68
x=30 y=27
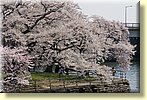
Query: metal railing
x=120 y=74
x=132 y=25
x=54 y=84
x=62 y=83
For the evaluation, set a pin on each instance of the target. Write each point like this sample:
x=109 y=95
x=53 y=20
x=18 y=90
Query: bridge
x=132 y=26
x=134 y=37
x=134 y=29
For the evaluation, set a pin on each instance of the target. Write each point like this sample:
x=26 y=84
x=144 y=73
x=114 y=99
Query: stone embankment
x=118 y=85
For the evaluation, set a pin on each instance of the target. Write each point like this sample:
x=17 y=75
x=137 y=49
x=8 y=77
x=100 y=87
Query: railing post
x=35 y=86
x=50 y=84
x=63 y=83
x=90 y=83
x=76 y=80
x=76 y=83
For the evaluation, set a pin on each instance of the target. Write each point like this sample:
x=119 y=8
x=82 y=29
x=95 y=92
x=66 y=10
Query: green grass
x=46 y=76
x=43 y=76
x=42 y=79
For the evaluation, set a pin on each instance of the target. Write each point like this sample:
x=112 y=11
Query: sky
x=111 y=9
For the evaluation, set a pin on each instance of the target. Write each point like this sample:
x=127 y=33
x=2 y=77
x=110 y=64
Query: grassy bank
x=38 y=76
x=44 y=79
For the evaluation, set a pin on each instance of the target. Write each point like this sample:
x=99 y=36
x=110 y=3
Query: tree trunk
x=57 y=69
x=67 y=71
x=49 y=69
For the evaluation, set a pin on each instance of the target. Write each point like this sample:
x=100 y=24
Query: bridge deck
x=132 y=26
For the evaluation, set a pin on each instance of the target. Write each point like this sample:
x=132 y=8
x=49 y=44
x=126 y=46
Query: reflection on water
x=132 y=75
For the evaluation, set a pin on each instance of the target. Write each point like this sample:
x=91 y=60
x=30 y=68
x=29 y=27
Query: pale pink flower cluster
x=15 y=68
x=58 y=32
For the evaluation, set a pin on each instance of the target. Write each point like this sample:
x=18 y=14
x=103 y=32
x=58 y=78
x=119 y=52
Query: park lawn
x=46 y=76
x=43 y=76
x=45 y=79
x=39 y=76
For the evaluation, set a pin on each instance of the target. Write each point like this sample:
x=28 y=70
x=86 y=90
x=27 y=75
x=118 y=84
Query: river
x=132 y=75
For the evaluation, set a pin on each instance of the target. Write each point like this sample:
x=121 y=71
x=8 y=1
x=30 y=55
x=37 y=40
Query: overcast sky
x=111 y=9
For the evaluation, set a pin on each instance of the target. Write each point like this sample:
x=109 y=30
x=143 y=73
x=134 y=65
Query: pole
x=126 y=14
x=35 y=86
x=50 y=84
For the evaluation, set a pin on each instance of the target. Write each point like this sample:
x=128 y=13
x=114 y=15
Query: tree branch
x=40 y=18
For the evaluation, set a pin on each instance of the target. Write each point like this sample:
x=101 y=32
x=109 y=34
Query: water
x=132 y=75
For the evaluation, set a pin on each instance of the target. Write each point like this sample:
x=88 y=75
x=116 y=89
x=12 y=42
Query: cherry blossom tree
x=35 y=28
x=114 y=40
x=58 y=32
x=15 y=68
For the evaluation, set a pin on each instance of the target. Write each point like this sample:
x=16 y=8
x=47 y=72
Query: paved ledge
x=118 y=85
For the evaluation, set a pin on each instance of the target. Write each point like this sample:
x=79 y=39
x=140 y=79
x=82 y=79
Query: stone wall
x=118 y=86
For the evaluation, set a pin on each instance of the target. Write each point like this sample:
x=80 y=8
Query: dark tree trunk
x=57 y=69
x=67 y=71
x=86 y=73
x=49 y=69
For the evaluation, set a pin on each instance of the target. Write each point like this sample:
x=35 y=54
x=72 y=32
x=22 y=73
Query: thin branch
x=40 y=18
x=44 y=6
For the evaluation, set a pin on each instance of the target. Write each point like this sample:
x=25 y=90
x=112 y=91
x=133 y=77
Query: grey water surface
x=133 y=75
